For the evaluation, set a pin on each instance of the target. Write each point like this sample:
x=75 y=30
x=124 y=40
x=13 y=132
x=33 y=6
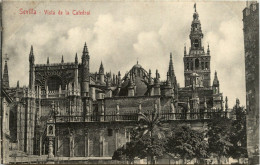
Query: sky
x=119 y=33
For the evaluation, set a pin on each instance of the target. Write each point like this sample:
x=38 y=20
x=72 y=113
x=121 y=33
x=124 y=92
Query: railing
x=167 y=116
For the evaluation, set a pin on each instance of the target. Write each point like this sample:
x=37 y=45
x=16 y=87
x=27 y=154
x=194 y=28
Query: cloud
x=228 y=58
x=120 y=33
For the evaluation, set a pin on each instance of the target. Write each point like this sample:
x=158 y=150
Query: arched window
x=187 y=66
x=206 y=65
x=53 y=83
x=191 y=66
x=197 y=64
x=196 y=43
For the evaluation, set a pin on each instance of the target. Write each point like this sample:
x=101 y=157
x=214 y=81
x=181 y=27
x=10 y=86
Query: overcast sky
x=119 y=33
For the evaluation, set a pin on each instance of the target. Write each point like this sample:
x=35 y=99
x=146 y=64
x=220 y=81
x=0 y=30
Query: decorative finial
x=195 y=7
x=208 y=49
x=18 y=86
x=85 y=49
x=185 y=49
x=62 y=60
x=226 y=105
x=31 y=51
x=6 y=58
x=76 y=58
x=48 y=61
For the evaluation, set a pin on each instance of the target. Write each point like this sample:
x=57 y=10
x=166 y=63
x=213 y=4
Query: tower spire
x=76 y=58
x=208 y=51
x=31 y=51
x=85 y=51
x=17 y=85
x=215 y=81
x=48 y=61
x=194 y=61
x=31 y=55
x=62 y=60
x=171 y=70
x=185 y=52
x=5 y=75
x=101 y=68
x=85 y=72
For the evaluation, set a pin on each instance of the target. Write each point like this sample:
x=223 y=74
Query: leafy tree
x=147 y=139
x=186 y=143
x=152 y=134
x=219 y=130
x=119 y=154
x=238 y=134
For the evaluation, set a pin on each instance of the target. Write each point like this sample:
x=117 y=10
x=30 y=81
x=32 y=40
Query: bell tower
x=196 y=60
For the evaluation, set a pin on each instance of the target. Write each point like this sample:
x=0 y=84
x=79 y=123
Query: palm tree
x=151 y=128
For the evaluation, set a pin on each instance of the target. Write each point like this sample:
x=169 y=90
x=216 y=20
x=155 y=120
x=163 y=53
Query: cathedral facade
x=70 y=111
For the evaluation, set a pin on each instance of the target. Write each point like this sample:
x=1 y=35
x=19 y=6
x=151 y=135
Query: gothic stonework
x=251 y=44
x=92 y=113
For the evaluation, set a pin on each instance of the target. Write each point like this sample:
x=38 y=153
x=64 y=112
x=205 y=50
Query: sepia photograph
x=128 y=82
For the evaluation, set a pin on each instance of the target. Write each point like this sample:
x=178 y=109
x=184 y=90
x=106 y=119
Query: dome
x=137 y=66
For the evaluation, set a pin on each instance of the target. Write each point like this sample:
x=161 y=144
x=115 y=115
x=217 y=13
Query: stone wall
x=251 y=43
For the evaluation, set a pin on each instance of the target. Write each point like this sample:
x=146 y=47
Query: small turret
x=108 y=83
x=31 y=56
x=62 y=60
x=157 y=90
x=31 y=70
x=226 y=104
x=114 y=79
x=76 y=59
x=101 y=73
x=208 y=51
x=171 y=72
x=5 y=76
x=85 y=72
x=85 y=53
x=131 y=91
x=168 y=82
x=215 y=84
x=119 y=79
x=237 y=103
x=18 y=86
x=150 y=77
x=185 y=52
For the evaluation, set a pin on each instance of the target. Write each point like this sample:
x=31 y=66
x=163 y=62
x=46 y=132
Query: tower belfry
x=196 y=60
x=5 y=74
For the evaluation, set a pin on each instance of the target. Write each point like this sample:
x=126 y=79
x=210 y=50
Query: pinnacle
x=85 y=49
x=31 y=51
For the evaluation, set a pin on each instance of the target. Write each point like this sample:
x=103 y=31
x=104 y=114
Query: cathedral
x=69 y=111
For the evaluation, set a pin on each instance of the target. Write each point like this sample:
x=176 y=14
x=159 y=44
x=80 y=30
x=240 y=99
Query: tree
x=128 y=152
x=219 y=130
x=139 y=147
x=147 y=139
x=152 y=133
x=238 y=134
x=186 y=143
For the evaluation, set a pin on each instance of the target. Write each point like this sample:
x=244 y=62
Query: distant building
x=5 y=131
x=251 y=43
x=68 y=111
